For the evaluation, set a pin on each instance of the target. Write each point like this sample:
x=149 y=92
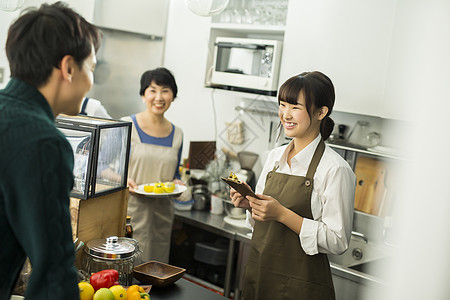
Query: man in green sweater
x=51 y=52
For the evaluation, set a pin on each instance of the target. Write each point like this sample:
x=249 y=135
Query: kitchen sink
x=360 y=270
x=375 y=267
x=359 y=252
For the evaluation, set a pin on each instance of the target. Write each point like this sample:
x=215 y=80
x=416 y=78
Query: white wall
x=202 y=112
x=422 y=76
x=83 y=7
x=6 y=18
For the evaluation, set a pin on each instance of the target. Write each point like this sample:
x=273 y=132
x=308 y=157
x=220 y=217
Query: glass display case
x=101 y=151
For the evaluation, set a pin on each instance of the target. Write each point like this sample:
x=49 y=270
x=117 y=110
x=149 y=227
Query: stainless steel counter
x=216 y=224
x=213 y=223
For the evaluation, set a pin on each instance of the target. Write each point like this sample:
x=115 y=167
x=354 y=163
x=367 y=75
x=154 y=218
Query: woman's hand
x=265 y=209
x=268 y=208
x=238 y=200
x=131 y=184
x=178 y=181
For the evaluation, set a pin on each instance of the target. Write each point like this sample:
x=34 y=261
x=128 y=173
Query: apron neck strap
x=316 y=159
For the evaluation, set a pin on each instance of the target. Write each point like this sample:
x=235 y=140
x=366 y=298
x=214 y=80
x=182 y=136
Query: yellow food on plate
x=234 y=178
x=86 y=290
x=159 y=188
x=169 y=187
x=149 y=188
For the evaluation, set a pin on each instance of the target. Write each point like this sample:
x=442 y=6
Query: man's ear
x=67 y=67
x=322 y=112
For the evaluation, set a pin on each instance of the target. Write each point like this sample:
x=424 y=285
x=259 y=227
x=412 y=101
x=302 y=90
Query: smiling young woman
x=305 y=206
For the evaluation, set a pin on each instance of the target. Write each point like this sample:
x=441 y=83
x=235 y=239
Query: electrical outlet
x=2 y=74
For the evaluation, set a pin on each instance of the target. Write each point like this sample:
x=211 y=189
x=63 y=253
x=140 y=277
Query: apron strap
x=316 y=159
x=83 y=107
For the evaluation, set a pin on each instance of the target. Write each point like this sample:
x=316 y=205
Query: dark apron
x=277 y=266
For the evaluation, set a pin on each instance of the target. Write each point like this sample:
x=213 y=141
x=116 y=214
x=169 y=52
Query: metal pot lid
x=110 y=249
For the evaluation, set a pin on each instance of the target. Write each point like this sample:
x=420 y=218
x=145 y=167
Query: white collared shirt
x=332 y=198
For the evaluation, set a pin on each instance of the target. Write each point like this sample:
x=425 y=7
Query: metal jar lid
x=111 y=249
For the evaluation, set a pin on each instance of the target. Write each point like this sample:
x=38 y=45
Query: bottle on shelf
x=128 y=228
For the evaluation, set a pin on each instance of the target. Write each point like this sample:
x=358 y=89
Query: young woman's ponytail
x=326 y=127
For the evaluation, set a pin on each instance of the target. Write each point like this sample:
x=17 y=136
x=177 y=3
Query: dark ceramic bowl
x=157 y=274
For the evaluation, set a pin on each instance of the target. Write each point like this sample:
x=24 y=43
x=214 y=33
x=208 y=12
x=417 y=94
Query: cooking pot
x=115 y=253
x=201 y=197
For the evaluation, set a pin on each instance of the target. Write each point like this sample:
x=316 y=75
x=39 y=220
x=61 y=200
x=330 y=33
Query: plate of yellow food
x=160 y=189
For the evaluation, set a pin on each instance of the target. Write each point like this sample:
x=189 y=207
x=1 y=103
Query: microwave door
x=240 y=59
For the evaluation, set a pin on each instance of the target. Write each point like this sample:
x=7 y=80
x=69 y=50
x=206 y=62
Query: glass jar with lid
x=113 y=253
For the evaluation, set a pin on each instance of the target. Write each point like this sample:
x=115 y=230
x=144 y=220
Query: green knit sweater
x=36 y=163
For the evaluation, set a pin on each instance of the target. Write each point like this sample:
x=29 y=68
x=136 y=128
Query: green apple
x=104 y=294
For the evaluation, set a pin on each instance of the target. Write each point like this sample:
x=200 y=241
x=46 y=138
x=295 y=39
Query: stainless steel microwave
x=247 y=65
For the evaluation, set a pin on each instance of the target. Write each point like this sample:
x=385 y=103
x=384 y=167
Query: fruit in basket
x=103 y=294
x=104 y=279
x=159 y=188
x=148 y=188
x=169 y=187
x=86 y=290
x=136 y=292
x=119 y=292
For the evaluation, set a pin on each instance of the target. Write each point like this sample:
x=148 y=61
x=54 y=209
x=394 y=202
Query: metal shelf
x=257 y=111
x=357 y=149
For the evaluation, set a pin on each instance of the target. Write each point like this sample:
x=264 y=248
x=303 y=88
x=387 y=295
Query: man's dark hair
x=39 y=39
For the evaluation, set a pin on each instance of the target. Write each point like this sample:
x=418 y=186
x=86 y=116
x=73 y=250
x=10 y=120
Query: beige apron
x=277 y=266
x=152 y=218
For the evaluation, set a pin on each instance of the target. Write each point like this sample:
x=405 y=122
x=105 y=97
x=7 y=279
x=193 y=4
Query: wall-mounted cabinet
x=349 y=41
x=147 y=17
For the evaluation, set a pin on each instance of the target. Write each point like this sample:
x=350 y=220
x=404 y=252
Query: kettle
x=201 y=197
x=247 y=160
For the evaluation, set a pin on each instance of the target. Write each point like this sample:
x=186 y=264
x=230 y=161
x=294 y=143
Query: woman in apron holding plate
x=306 y=192
x=156 y=146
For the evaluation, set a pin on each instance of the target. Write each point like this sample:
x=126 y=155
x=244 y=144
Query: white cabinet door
x=348 y=40
x=141 y=16
x=418 y=75
x=84 y=7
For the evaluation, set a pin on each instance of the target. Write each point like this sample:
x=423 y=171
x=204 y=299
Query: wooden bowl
x=157 y=274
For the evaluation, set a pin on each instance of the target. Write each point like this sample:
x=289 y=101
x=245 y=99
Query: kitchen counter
x=212 y=223
x=184 y=290
x=215 y=224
